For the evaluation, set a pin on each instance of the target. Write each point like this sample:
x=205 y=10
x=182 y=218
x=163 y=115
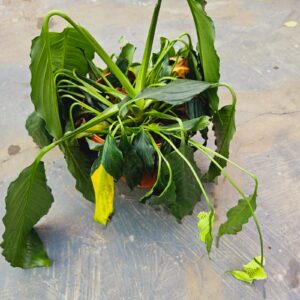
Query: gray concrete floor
x=145 y=254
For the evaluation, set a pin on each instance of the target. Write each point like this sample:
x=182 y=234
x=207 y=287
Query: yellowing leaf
x=252 y=271
x=103 y=184
x=290 y=24
x=205 y=224
x=241 y=275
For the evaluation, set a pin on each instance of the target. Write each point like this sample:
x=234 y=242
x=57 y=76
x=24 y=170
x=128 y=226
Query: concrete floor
x=145 y=254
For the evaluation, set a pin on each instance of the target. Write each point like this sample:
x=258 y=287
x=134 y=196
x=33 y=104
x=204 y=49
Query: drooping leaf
x=238 y=216
x=187 y=190
x=50 y=52
x=79 y=165
x=209 y=58
x=28 y=200
x=252 y=271
x=205 y=224
x=133 y=165
x=144 y=149
x=112 y=158
x=224 y=128
x=103 y=184
x=35 y=126
x=176 y=92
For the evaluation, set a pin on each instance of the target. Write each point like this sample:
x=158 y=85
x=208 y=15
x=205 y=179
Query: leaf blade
x=103 y=184
x=28 y=199
x=238 y=216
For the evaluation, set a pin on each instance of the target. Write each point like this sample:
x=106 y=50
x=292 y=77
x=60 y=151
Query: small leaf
x=224 y=127
x=133 y=166
x=238 y=215
x=144 y=149
x=252 y=271
x=112 y=158
x=103 y=184
x=36 y=128
x=205 y=224
x=176 y=92
x=28 y=200
x=241 y=275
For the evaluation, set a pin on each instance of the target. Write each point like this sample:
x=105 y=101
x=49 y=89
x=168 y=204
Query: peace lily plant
x=127 y=120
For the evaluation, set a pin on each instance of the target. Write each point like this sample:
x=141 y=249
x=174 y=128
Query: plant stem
x=98 y=49
x=203 y=150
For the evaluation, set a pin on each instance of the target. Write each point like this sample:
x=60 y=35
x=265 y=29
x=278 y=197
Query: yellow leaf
x=103 y=184
x=291 y=24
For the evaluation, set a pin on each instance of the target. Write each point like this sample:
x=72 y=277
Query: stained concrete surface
x=144 y=253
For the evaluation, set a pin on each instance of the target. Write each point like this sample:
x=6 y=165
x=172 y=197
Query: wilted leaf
x=224 y=127
x=238 y=216
x=28 y=200
x=35 y=126
x=205 y=224
x=103 y=184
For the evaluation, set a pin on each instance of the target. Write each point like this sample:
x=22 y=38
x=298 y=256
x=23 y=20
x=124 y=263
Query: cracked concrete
x=144 y=253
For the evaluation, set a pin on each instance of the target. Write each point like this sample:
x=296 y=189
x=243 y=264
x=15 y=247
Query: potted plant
x=129 y=120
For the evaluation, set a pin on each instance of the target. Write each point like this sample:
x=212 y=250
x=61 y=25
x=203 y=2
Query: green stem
x=209 y=204
x=98 y=49
x=204 y=151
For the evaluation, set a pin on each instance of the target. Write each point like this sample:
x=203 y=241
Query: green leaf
x=124 y=61
x=241 y=275
x=205 y=224
x=186 y=187
x=133 y=167
x=50 y=52
x=79 y=165
x=193 y=125
x=141 y=78
x=252 y=271
x=35 y=126
x=238 y=216
x=144 y=149
x=209 y=59
x=176 y=92
x=112 y=158
x=224 y=128
x=28 y=200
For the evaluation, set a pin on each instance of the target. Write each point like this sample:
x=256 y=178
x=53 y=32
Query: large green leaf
x=28 y=199
x=238 y=216
x=79 y=165
x=35 y=126
x=144 y=149
x=224 y=128
x=50 y=52
x=209 y=59
x=133 y=165
x=176 y=92
x=181 y=200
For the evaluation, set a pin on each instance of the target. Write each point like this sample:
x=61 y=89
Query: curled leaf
x=252 y=271
x=103 y=184
x=205 y=224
